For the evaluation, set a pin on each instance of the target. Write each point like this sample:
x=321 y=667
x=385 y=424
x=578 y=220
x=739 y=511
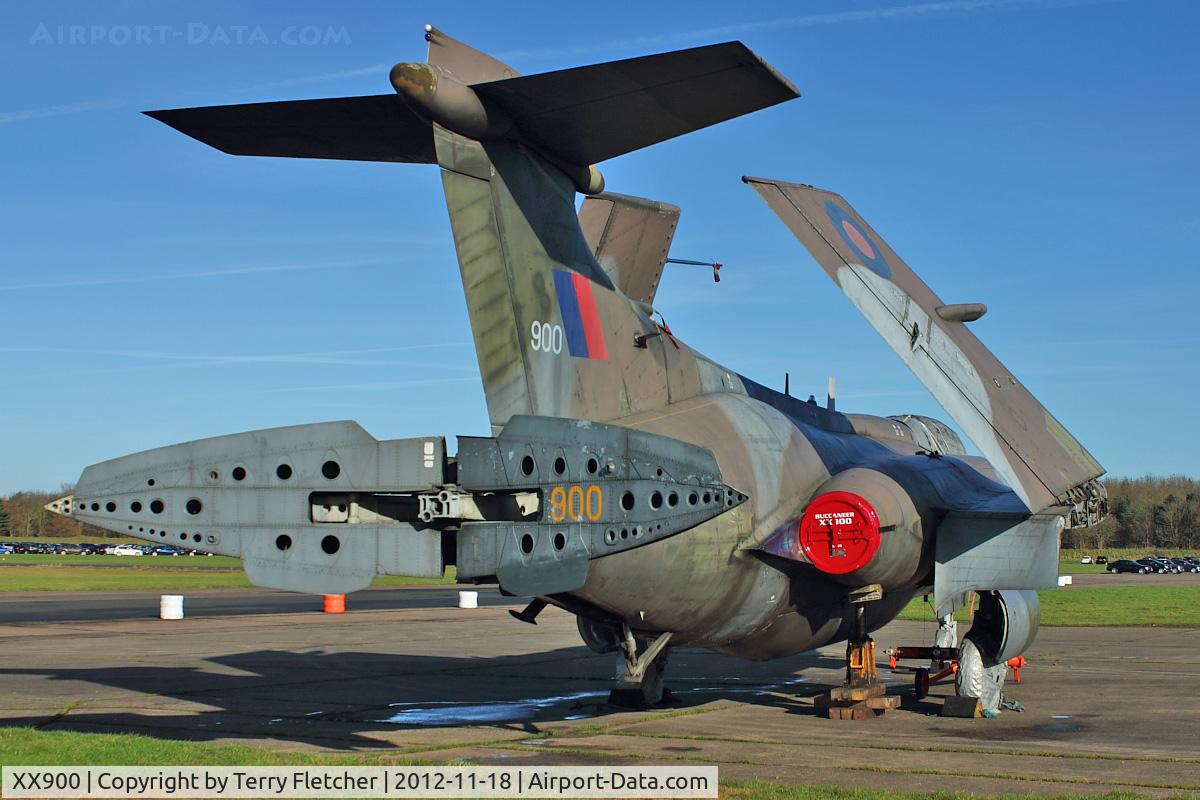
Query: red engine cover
x=839 y=532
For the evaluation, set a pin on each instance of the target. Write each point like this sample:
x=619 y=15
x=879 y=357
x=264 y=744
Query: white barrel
x=468 y=599
x=170 y=606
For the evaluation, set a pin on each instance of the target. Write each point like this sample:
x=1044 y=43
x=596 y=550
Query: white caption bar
x=364 y=782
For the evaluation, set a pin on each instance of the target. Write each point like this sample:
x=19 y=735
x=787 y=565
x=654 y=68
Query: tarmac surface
x=17 y=607
x=1106 y=709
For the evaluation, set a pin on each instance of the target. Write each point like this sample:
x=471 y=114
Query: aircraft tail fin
x=630 y=237
x=554 y=335
x=1034 y=453
x=557 y=330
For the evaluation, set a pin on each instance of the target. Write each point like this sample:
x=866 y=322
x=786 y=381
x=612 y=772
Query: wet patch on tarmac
x=445 y=713
x=550 y=708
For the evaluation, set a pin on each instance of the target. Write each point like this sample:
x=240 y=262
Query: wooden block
x=856 y=711
x=883 y=703
x=856 y=694
x=966 y=707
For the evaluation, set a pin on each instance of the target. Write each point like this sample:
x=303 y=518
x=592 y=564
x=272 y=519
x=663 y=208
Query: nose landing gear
x=640 y=674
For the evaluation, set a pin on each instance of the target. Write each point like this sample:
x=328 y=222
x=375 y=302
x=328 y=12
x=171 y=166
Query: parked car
x=1101 y=559
x=1157 y=565
x=127 y=550
x=1085 y=560
x=1125 y=565
x=163 y=550
x=5 y=549
x=1185 y=565
x=71 y=549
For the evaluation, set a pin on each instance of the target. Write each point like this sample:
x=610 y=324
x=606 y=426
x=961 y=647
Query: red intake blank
x=839 y=532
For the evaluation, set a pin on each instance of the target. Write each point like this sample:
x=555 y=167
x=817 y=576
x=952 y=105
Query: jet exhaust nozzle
x=859 y=528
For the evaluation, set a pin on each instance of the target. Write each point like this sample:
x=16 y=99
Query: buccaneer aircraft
x=663 y=499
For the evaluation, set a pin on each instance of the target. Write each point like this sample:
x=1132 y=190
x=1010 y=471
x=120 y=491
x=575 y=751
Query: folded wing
x=1035 y=454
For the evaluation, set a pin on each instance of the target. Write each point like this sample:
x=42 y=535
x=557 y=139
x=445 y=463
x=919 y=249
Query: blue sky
x=1036 y=156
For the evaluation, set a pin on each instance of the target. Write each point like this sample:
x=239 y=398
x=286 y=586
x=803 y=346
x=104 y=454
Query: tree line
x=1150 y=512
x=23 y=516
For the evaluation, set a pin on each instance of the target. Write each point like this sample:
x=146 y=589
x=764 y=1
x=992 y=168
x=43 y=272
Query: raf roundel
x=859 y=242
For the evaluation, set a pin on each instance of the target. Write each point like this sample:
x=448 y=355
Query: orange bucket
x=335 y=604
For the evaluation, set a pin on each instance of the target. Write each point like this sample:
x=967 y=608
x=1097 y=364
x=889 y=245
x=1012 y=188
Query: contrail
x=56 y=111
x=358 y=387
x=175 y=276
x=937 y=8
x=332 y=357
x=378 y=70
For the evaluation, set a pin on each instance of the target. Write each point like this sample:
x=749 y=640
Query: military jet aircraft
x=662 y=498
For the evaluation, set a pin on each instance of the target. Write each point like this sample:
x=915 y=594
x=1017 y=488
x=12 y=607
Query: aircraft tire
x=974 y=679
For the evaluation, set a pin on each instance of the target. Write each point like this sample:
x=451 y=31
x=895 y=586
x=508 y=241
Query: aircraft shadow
x=339 y=699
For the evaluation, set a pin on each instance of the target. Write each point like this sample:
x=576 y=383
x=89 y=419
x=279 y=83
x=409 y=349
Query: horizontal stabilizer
x=579 y=116
x=1029 y=448
x=589 y=114
x=371 y=128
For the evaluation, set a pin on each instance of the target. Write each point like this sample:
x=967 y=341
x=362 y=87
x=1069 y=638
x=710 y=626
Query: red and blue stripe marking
x=581 y=320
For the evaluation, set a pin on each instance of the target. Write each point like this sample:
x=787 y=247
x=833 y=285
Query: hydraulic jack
x=862 y=696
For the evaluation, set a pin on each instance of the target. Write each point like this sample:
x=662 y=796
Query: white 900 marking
x=545 y=337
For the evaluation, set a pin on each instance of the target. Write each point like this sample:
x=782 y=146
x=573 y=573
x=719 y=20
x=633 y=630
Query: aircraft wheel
x=921 y=683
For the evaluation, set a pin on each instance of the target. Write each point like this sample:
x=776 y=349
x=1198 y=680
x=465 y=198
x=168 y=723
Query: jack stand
x=640 y=677
x=862 y=695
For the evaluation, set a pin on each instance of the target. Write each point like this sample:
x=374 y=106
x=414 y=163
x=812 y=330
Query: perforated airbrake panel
x=247 y=495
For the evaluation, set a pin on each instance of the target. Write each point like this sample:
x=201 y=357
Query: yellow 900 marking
x=576 y=503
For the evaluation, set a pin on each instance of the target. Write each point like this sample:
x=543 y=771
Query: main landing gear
x=1003 y=628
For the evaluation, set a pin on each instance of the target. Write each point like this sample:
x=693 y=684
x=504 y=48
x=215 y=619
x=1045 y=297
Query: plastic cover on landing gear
x=1004 y=627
